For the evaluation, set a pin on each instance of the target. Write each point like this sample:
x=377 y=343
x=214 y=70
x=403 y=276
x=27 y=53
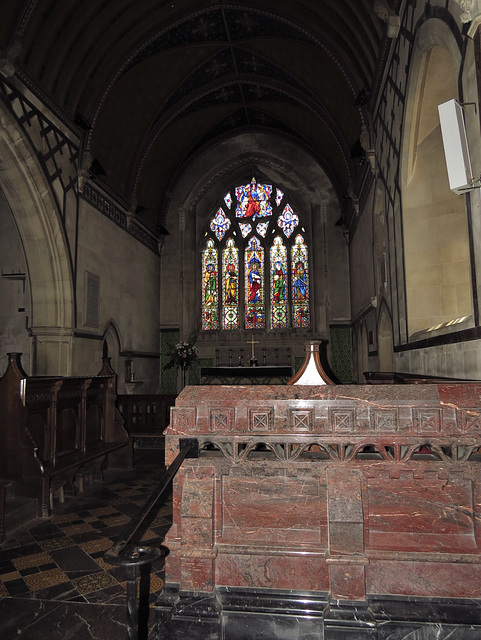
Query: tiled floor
x=52 y=572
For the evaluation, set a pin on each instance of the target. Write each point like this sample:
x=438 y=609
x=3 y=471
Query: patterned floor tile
x=45 y=579
x=94 y=582
x=96 y=545
x=78 y=528
x=38 y=564
x=57 y=543
x=35 y=560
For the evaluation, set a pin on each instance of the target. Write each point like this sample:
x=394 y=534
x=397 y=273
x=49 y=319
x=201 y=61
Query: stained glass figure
x=278 y=267
x=279 y=196
x=300 y=283
x=228 y=200
x=220 y=224
x=230 y=286
x=288 y=221
x=254 y=285
x=245 y=228
x=262 y=228
x=253 y=200
x=210 y=287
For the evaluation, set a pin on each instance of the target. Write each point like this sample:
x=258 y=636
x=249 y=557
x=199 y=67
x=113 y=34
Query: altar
x=246 y=375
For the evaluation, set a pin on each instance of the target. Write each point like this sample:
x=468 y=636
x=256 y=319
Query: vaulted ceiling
x=151 y=84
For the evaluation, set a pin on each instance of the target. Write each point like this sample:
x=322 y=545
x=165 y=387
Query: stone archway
x=46 y=254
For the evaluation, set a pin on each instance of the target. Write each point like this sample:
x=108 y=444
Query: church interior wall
x=449 y=351
x=127 y=276
x=14 y=291
x=196 y=198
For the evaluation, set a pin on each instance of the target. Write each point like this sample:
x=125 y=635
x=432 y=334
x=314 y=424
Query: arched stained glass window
x=278 y=266
x=230 y=286
x=254 y=285
x=210 y=287
x=220 y=224
x=255 y=274
x=300 y=283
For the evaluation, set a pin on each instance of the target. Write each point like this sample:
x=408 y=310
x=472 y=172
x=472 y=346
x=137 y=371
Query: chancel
x=297 y=359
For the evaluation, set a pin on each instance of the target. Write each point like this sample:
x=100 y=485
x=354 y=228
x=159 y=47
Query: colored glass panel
x=228 y=200
x=253 y=200
x=278 y=271
x=288 y=221
x=262 y=228
x=254 y=285
x=210 y=287
x=220 y=224
x=300 y=283
x=279 y=196
x=230 y=286
x=245 y=228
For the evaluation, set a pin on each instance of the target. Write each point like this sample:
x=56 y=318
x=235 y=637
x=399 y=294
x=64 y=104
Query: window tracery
x=255 y=278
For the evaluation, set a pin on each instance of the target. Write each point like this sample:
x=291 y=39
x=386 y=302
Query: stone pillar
x=51 y=351
x=346 y=559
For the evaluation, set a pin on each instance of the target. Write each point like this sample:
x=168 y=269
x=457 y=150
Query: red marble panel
x=422 y=514
x=347 y=581
x=197 y=574
x=197 y=496
x=299 y=571
x=275 y=509
x=197 y=532
x=430 y=579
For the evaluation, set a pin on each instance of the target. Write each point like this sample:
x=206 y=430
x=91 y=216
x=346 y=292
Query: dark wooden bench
x=55 y=430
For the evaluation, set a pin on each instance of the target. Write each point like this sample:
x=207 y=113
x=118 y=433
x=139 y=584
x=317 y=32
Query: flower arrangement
x=183 y=354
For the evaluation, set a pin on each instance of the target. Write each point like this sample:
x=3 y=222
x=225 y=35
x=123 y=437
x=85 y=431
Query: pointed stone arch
x=42 y=236
x=112 y=345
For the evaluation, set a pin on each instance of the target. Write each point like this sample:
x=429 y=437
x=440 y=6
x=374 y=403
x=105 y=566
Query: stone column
x=51 y=351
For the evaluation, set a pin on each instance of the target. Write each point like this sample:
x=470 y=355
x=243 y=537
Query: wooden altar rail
x=55 y=430
x=235 y=355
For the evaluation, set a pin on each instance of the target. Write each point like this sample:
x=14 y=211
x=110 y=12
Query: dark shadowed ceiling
x=150 y=84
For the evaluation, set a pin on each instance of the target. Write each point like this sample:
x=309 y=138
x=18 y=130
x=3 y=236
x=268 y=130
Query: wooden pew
x=55 y=430
x=146 y=416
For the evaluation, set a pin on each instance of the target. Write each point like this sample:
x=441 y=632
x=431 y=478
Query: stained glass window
x=210 y=287
x=220 y=224
x=253 y=200
x=254 y=285
x=230 y=286
x=262 y=228
x=245 y=228
x=288 y=221
x=245 y=279
x=300 y=283
x=278 y=267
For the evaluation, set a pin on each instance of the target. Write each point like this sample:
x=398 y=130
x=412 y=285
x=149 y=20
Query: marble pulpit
x=328 y=510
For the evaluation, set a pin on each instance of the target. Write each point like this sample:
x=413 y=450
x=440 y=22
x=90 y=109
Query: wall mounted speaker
x=456 y=151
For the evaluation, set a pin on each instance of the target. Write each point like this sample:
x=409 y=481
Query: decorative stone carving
x=468 y=10
x=387 y=15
